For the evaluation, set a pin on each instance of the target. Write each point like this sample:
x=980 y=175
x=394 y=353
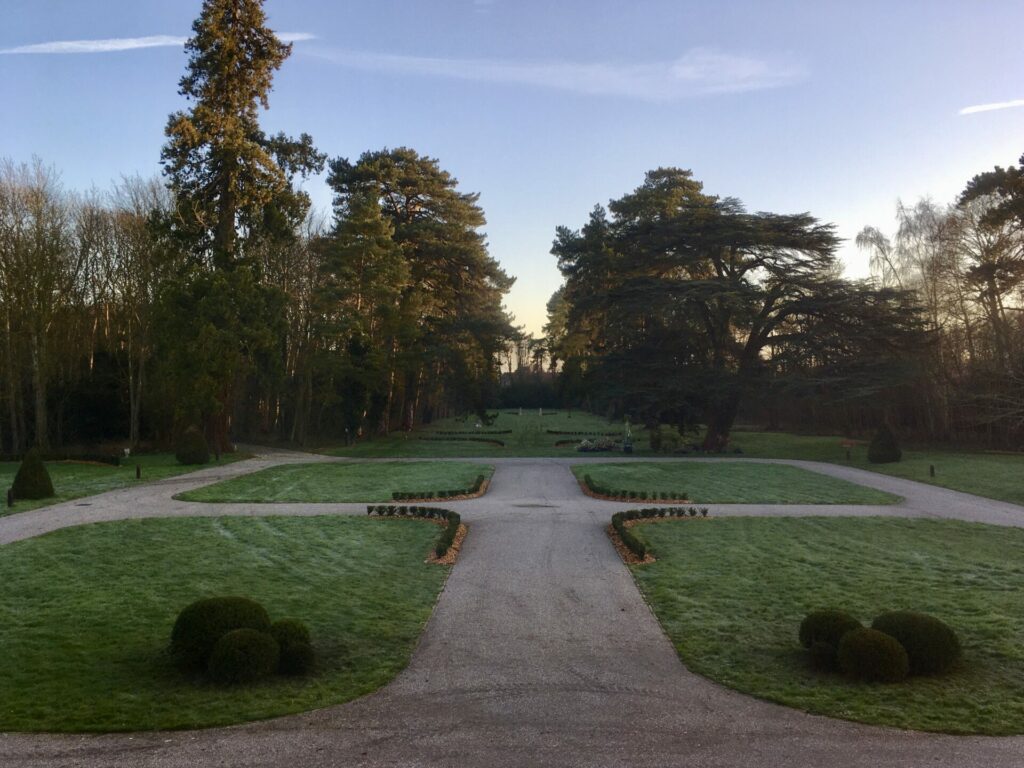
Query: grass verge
x=731 y=482
x=86 y=615
x=338 y=483
x=731 y=592
x=74 y=480
x=993 y=475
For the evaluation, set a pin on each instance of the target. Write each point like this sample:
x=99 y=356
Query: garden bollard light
x=931 y=470
x=10 y=497
x=138 y=471
x=847 y=454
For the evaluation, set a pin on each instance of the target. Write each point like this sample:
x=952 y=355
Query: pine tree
x=228 y=177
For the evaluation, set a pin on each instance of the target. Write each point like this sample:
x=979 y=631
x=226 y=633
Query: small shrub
x=873 y=656
x=883 y=448
x=447 y=537
x=931 y=645
x=297 y=659
x=200 y=625
x=243 y=656
x=634 y=544
x=191 y=448
x=821 y=631
x=32 y=480
x=289 y=632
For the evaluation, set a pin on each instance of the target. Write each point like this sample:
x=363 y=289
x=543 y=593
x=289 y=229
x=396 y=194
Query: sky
x=549 y=107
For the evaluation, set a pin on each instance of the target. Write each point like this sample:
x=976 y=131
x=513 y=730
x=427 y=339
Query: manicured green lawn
x=731 y=482
x=993 y=475
x=86 y=615
x=72 y=480
x=529 y=437
x=730 y=593
x=349 y=482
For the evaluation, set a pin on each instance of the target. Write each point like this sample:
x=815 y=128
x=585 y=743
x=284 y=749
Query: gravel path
x=540 y=652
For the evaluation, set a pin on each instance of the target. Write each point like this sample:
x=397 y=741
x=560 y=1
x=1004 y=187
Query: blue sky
x=547 y=108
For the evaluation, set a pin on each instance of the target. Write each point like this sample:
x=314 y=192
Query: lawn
x=74 y=479
x=993 y=475
x=86 y=615
x=731 y=482
x=348 y=482
x=525 y=435
x=730 y=593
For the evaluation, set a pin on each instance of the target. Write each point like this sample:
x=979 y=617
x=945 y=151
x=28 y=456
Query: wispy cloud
x=992 y=107
x=698 y=71
x=122 y=44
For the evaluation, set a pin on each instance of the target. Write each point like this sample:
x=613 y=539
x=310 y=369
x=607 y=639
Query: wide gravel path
x=540 y=652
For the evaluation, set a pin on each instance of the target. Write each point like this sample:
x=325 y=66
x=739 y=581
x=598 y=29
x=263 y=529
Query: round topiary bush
x=932 y=645
x=290 y=632
x=821 y=631
x=200 y=625
x=296 y=659
x=873 y=656
x=243 y=656
x=32 y=480
x=192 y=448
x=883 y=448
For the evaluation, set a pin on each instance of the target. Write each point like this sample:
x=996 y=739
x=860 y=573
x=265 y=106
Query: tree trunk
x=42 y=437
x=721 y=417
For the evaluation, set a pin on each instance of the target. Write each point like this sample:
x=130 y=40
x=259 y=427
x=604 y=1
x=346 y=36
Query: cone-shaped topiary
x=883 y=448
x=874 y=656
x=932 y=645
x=200 y=625
x=192 y=448
x=243 y=656
x=32 y=480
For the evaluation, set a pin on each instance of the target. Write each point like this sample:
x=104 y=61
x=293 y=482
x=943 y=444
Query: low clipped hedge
x=452 y=521
x=473 y=490
x=620 y=495
x=583 y=434
x=635 y=545
x=470 y=433
x=489 y=440
x=32 y=481
x=243 y=656
x=821 y=631
x=932 y=646
x=872 y=656
x=201 y=624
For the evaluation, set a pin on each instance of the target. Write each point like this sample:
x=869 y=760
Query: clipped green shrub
x=191 y=448
x=872 y=656
x=296 y=659
x=243 y=656
x=821 y=631
x=297 y=656
x=32 y=480
x=634 y=544
x=290 y=632
x=200 y=625
x=883 y=448
x=931 y=644
x=447 y=537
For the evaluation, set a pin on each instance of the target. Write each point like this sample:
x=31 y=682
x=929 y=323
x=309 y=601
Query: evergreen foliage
x=821 y=631
x=192 y=448
x=243 y=656
x=201 y=624
x=883 y=448
x=932 y=646
x=872 y=656
x=33 y=480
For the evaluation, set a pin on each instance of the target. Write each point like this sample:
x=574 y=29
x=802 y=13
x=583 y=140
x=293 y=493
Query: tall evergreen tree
x=227 y=175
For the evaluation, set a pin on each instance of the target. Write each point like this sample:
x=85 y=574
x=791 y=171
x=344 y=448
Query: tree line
x=684 y=308
x=216 y=297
